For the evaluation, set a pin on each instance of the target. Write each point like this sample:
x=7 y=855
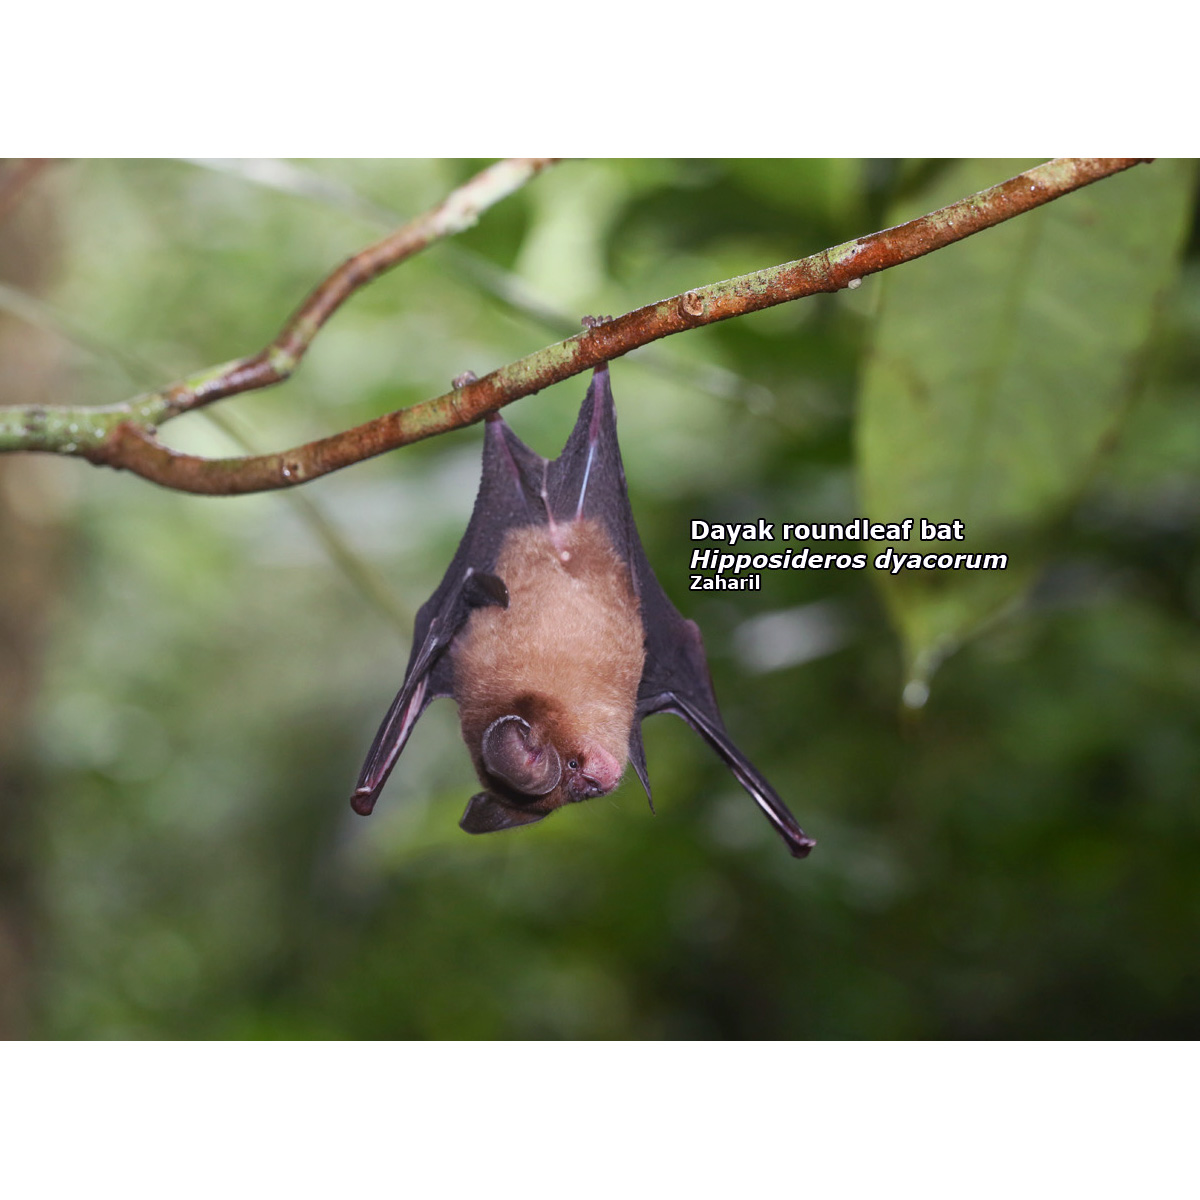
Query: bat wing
x=510 y=489
x=588 y=479
x=518 y=487
x=676 y=679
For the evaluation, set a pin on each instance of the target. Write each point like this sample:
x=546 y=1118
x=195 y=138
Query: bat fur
x=566 y=655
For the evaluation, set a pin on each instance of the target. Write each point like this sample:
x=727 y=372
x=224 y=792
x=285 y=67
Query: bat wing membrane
x=676 y=679
x=509 y=496
x=588 y=479
x=518 y=487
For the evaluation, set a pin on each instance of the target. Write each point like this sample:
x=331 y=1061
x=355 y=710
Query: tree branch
x=123 y=436
x=80 y=430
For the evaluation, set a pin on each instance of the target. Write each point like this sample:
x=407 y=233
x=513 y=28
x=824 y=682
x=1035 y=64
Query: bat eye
x=573 y=764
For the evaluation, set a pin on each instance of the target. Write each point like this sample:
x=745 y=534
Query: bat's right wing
x=509 y=496
x=588 y=479
x=676 y=679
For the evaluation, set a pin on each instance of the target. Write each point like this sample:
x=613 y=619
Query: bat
x=555 y=639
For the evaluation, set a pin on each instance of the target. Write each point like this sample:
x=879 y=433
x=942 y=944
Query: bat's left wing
x=590 y=476
x=677 y=680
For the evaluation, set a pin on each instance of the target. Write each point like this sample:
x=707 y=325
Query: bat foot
x=801 y=847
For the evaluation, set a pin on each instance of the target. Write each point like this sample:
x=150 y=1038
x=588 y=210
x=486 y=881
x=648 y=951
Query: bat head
x=531 y=776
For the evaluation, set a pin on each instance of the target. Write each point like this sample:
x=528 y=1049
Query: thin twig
x=503 y=285
x=362 y=574
x=460 y=210
x=81 y=430
x=127 y=441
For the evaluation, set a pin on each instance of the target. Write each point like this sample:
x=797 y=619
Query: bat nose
x=601 y=771
x=584 y=787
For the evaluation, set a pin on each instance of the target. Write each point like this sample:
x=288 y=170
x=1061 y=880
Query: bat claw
x=362 y=802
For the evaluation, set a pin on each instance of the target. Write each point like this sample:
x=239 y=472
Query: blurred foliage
x=1019 y=859
x=994 y=415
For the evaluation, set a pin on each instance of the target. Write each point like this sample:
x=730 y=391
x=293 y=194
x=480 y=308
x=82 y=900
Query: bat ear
x=510 y=752
x=486 y=813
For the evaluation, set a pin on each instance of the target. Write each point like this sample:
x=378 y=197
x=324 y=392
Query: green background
x=1016 y=859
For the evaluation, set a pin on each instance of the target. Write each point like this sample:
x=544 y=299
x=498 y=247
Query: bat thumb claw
x=363 y=802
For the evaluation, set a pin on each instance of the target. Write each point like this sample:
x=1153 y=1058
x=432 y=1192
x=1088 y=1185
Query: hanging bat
x=555 y=639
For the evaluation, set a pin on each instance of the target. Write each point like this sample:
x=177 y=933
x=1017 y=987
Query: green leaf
x=1001 y=370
